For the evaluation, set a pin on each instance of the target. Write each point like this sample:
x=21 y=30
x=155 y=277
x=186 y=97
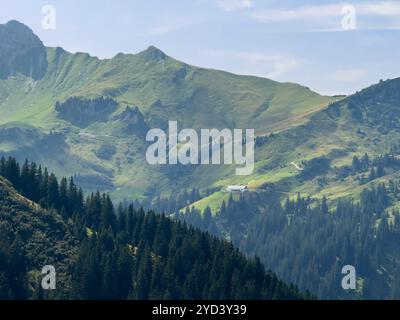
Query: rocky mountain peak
x=21 y=51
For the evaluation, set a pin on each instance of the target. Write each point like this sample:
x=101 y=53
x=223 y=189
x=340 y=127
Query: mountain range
x=315 y=155
x=148 y=88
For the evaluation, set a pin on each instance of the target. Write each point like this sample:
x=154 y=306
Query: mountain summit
x=21 y=51
x=155 y=53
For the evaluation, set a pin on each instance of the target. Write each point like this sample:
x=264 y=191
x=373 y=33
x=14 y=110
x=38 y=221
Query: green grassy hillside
x=163 y=89
x=367 y=122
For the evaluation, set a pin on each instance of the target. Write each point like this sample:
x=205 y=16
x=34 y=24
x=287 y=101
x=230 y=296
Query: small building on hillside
x=237 y=188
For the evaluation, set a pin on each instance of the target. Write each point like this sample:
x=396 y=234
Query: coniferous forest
x=309 y=241
x=102 y=251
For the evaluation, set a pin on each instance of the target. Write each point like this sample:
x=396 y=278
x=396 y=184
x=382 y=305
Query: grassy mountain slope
x=105 y=154
x=163 y=89
x=325 y=157
x=366 y=122
x=157 y=84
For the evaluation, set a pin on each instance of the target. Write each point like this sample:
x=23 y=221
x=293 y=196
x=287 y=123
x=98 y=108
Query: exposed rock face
x=21 y=51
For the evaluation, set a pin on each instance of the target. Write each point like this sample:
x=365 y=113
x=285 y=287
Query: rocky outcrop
x=21 y=51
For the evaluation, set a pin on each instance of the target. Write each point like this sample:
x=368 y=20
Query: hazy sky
x=313 y=43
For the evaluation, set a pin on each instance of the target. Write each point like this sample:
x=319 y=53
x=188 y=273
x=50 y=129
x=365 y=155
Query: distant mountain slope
x=324 y=195
x=160 y=85
x=162 y=89
x=366 y=122
x=107 y=152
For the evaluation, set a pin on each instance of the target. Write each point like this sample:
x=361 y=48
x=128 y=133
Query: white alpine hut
x=237 y=189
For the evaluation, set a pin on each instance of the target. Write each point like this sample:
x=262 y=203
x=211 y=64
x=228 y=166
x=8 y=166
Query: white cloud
x=276 y=65
x=272 y=66
x=170 y=28
x=324 y=14
x=349 y=76
x=300 y=13
x=232 y=5
x=383 y=8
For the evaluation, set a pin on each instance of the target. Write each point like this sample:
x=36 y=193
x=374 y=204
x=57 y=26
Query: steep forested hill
x=102 y=252
x=31 y=238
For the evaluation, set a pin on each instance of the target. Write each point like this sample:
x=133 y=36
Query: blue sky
x=318 y=44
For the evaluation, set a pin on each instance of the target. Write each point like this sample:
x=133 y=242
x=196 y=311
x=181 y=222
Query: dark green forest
x=84 y=111
x=105 y=252
x=308 y=241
